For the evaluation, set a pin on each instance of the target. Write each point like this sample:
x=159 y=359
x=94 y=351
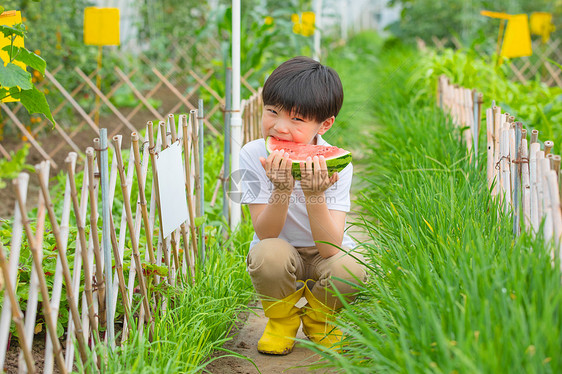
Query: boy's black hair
x=306 y=88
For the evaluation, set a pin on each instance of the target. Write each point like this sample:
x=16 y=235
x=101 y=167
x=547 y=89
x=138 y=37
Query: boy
x=293 y=219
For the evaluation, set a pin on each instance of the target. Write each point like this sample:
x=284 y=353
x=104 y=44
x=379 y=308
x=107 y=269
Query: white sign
x=171 y=183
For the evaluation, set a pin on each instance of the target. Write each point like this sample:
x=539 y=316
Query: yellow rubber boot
x=317 y=320
x=284 y=322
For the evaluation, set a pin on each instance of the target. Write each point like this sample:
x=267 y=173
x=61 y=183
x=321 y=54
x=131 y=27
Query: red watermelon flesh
x=336 y=158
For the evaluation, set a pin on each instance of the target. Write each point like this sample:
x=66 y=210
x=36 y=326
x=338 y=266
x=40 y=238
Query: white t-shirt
x=256 y=188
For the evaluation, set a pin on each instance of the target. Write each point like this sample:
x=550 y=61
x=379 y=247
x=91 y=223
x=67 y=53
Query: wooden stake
x=37 y=260
x=70 y=162
x=534 y=148
x=187 y=166
x=525 y=184
x=134 y=244
x=17 y=315
x=142 y=196
x=547 y=204
x=534 y=136
x=555 y=203
x=547 y=147
x=152 y=151
x=497 y=132
x=490 y=150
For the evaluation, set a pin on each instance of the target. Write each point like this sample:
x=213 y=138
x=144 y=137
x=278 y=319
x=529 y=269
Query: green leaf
x=9 y=31
x=12 y=75
x=34 y=101
x=1 y=9
x=200 y=220
x=27 y=57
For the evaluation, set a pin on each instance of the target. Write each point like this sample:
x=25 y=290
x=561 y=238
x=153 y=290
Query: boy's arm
x=325 y=225
x=268 y=219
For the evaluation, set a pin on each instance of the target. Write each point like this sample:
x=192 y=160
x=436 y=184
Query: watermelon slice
x=336 y=158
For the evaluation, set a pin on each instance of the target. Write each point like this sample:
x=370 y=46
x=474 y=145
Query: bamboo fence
x=89 y=289
x=522 y=172
x=522 y=69
x=182 y=85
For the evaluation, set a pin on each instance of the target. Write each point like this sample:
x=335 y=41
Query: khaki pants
x=275 y=266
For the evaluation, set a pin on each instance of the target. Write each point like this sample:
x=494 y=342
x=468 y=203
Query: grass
x=450 y=290
x=196 y=320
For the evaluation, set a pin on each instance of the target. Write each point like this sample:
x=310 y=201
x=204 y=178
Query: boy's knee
x=271 y=257
x=349 y=268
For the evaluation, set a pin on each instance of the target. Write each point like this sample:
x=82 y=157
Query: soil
x=244 y=342
x=38 y=353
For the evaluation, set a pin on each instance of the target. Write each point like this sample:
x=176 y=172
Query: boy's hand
x=314 y=176
x=278 y=167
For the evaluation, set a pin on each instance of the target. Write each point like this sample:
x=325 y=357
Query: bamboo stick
x=17 y=315
x=120 y=275
x=33 y=295
x=138 y=224
x=547 y=147
x=134 y=243
x=15 y=247
x=187 y=169
x=547 y=204
x=72 y=301
x=172 y=125
x=70 y=162
x=525 y=185
x=497 y=132
x=534 y=148
x=505 y=170
x=534 y=136
x=93 y=193
x=37 y=260
x=511 y=161
x=540 y=200
x=556 y=164
x=555 y=203
x=172 y=245
x=490 y=150
x=165 y=246
x=57 y=287
x=142 y=196
x=155 y=190
x=196 y=155
x=515 y=177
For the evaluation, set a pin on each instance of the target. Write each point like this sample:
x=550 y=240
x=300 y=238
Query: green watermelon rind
x=334 y=164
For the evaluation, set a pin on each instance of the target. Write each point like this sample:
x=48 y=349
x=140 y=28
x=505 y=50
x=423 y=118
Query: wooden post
x=534 y=148
x=134 y=244
x=525 y=185
x=547 y=147
x=490 y=151
x=70 y=162
x=142 y=197
x=17 y=315
x=93 y=193
x=37 y=260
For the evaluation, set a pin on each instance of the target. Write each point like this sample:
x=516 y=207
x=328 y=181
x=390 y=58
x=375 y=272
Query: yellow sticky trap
x=10 y=18
x=541 y=24
x=491 y=14
x=517 y=39
x=101 y=26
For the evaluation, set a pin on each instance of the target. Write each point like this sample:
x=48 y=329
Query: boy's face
x=283 y=125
